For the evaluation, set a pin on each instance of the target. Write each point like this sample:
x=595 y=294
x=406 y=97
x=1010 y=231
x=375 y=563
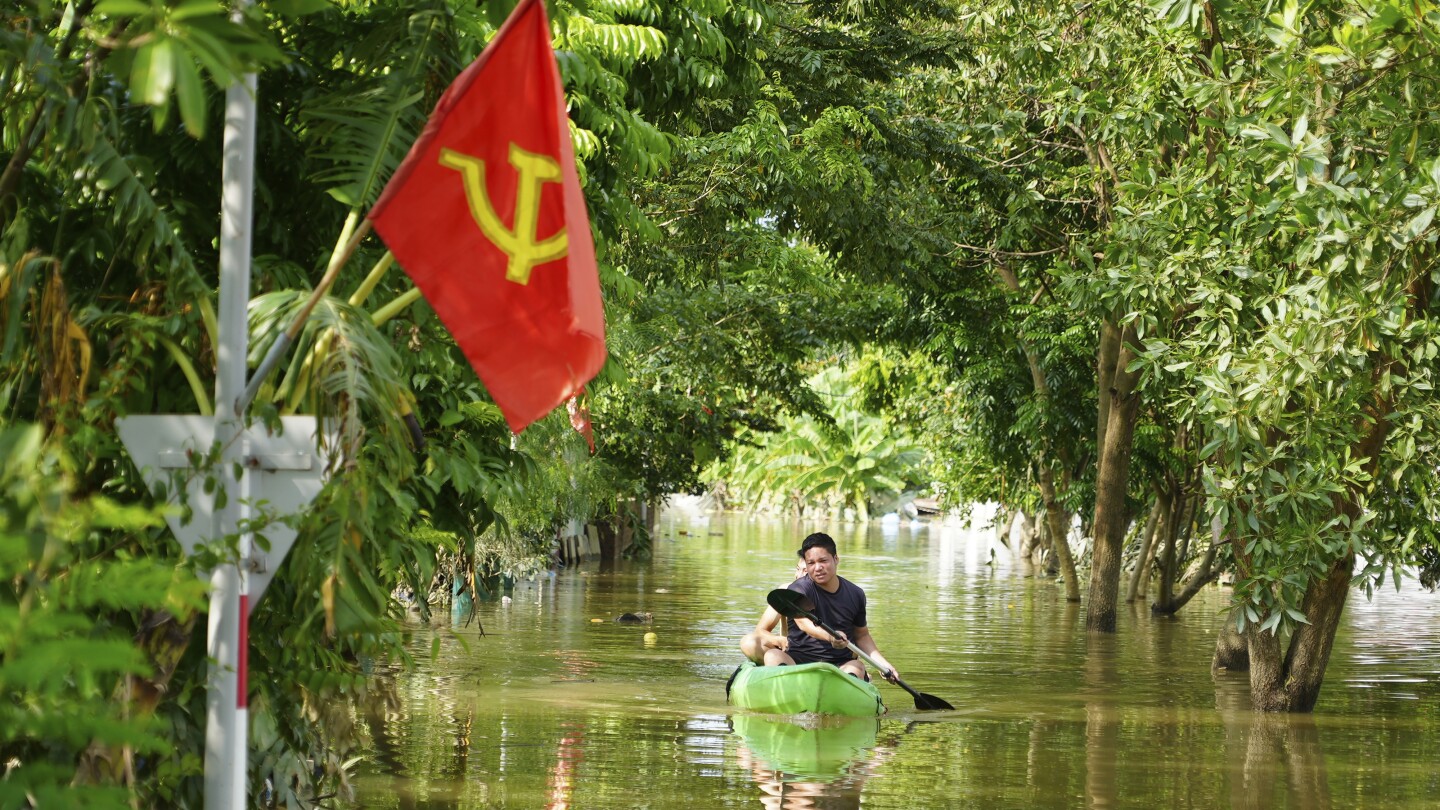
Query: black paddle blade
x=790 y=604
x=930 y=703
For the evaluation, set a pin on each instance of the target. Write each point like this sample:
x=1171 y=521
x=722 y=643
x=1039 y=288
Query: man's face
x=820 y=565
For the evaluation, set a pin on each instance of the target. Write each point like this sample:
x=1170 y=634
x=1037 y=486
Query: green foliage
x=125 y=195
x=1244 y=186
x=770 y=235
x=362 y=124
x=64 y=651
x=1304 y=268
x=849 y=459
x=165 y=46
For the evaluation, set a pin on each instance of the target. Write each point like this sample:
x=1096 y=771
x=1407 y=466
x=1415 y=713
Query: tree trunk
x=1059 y=537
x=1205 y=572
x=1111 y=485
x=1027 y=531
x=1169 y=559
x=1177 y=549
x=1147 y=544
x=1105 y=357
x=1187 y=531
x=1052 y=562
x=1231 y=651
x=1292 y=684
x=1034 y=542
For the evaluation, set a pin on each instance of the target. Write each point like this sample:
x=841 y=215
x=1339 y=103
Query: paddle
x=795 y=605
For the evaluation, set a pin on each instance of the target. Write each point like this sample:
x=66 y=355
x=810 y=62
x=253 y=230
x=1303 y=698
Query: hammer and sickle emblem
x=522 y=244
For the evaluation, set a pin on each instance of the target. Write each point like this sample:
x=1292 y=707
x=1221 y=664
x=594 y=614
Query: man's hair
x=820 y=540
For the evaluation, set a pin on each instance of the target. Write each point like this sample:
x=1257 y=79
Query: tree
x=1307 y=364
x=107 y=227
x=1257 y=251
x=848 y=460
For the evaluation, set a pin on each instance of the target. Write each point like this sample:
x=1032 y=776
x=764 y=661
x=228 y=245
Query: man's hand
x=892 y=676
x=839 y=641
x=772 y=641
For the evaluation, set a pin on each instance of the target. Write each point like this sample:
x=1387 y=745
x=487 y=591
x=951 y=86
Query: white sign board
x=291 y=473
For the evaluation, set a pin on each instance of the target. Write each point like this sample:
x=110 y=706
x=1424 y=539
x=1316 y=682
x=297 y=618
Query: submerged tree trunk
x=1292 y=683
x=1059 y=538
x=1147 y=545
x=1204 y=574
x=1231 y=649
x=1111 y=485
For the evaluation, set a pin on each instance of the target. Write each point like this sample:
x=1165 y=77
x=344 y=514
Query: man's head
x=820 y=558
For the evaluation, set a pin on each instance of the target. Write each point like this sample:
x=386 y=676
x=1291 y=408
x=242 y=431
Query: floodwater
x=553 y=709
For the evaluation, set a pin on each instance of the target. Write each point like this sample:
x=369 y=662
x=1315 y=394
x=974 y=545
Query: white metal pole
x=226 y=732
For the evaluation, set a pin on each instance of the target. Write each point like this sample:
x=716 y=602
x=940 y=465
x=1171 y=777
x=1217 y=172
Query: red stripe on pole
x=242 y=669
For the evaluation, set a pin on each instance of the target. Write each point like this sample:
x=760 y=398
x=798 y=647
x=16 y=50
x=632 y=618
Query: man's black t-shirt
x=843 y=610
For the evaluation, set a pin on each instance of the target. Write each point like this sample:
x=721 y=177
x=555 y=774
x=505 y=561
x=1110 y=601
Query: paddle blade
x=930 y=703
x=790 y=604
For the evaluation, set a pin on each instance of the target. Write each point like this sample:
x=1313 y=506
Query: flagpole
x=226 y=712
x=282 y=343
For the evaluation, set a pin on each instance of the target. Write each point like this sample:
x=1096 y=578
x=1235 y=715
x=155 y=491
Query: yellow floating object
x=596 y=621
x=651 y=638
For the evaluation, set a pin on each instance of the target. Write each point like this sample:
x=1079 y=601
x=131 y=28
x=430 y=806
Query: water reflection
x=1102 y=720
x=809 y=762
x=1269 y=757
x=569 y=753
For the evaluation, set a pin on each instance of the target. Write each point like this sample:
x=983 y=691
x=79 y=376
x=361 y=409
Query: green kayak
x=816 y=688
x=822 y=748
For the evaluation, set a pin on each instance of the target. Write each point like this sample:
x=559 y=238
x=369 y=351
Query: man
x=839 y=603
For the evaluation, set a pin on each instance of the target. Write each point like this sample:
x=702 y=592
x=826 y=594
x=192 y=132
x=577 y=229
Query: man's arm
x=815 y=631
x=866 y=643
x=765 y=631
x=768 y=620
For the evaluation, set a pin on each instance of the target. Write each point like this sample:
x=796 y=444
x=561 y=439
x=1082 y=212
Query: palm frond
x=108 y=180
x=351 y=372
x=363 y=129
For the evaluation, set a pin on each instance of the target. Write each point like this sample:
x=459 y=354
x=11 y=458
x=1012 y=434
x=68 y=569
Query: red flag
x=487 y=217
x=580 y=420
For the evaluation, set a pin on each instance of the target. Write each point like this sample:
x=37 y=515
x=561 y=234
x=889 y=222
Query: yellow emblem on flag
x=522 y=244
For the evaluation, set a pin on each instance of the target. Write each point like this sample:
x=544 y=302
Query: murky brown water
x=550 y=709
